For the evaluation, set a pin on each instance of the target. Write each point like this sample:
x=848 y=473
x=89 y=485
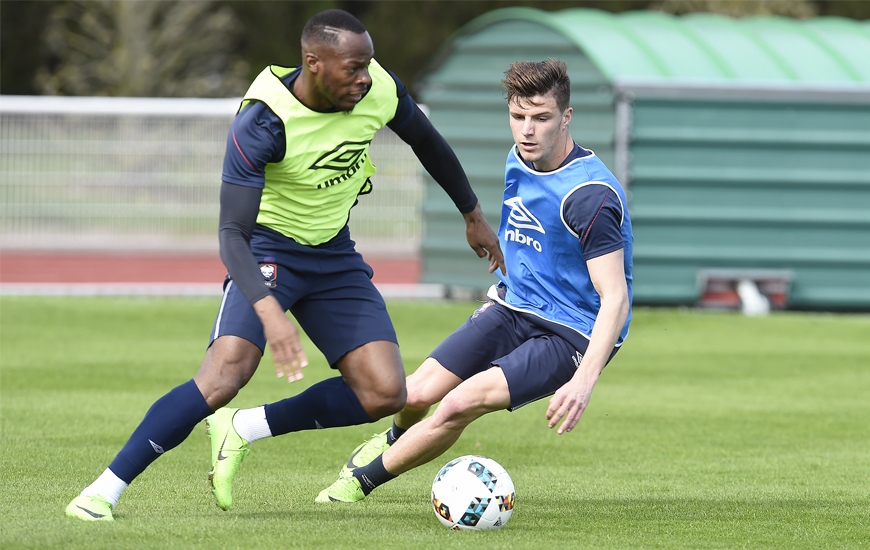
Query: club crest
x=269 y=270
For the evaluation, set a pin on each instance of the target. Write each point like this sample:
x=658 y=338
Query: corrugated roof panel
x=524 y=35
x=845 y=38
x=533 y=41
x=704 y=48
x=745 y=58
x=682 y=53
x=480 y=59
x=616 y=49
x=472 y=70
x=787 y=39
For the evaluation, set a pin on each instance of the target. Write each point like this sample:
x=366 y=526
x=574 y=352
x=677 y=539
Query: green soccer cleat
x=90 y=508
x=228 y=450
x=365 y=453
x=345 y=489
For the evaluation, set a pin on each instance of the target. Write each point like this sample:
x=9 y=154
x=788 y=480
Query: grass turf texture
x=709 y=430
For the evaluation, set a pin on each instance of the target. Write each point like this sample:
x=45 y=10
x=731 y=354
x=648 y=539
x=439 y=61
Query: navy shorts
x=536 y=356
x=327 y=288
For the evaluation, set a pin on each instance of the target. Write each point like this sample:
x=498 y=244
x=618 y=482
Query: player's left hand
x=483 y=239
x=283 y=339
x=568 y=402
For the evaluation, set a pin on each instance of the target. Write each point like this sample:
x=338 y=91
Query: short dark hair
x=321 y=28
x=527 y=79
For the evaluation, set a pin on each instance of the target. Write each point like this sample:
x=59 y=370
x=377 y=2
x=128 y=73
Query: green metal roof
x=705 y=48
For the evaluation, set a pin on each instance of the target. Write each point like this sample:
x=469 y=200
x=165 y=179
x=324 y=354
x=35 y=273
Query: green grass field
x=709 y=430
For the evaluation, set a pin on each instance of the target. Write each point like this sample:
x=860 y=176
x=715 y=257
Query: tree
x=215 y=48
x=800 y=9
x=142 y=48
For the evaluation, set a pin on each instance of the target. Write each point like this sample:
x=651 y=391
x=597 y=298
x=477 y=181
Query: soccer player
x=297 y=157
x=554 y=320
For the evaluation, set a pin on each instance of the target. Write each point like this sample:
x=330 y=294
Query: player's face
x=342 y=75
x=540 y=130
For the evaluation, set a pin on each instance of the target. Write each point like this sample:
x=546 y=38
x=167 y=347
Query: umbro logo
x=578 y=358
x=348 y=158
x=157 y=448
x=520 y=216
x=344 y=156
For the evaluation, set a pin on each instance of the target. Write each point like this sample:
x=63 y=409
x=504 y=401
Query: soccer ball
x=473 y=492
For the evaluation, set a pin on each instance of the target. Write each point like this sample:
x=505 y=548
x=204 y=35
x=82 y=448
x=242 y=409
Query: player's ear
x=566 y=118
x=311 y=61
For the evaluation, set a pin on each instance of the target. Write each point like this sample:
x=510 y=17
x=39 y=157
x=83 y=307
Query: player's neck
x=560 y=153
x=308 y=96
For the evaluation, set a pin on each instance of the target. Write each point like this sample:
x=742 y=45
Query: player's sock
x=251 y=424
x=166 y=424
x=108 y=486
x=373 y=475
x=395 y=433
x=327 y=404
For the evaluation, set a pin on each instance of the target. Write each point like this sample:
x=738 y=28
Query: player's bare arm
x=483 y=239
x=608 y=278
x=439 y=160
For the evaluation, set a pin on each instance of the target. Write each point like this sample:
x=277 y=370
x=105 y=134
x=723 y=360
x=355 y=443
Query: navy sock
x=394 y=433
x=166 y=424
x=327 y=404
x=373 y=475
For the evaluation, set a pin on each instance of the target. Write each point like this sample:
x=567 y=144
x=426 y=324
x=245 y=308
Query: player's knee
x=384 y=400
x=220 y=386
x=228 y=365
x=457 y=408
x=384 y=407
x=218 y=392
x=220 y=379
x=418 y=397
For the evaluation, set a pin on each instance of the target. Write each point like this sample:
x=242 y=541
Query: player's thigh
x=429 y=384
x=485 y=392
x=344 y=312
x=489 y=333
x=375 y=367
x=236 y=317
x=538 y=367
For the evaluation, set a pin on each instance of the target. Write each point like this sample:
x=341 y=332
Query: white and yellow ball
x=473 y=492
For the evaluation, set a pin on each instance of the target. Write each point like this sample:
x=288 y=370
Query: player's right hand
x=483 y=239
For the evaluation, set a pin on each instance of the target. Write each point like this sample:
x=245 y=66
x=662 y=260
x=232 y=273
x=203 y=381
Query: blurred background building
x=744 y=144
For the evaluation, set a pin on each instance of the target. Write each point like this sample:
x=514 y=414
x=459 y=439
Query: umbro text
x=517 y=237
x=353 y=169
